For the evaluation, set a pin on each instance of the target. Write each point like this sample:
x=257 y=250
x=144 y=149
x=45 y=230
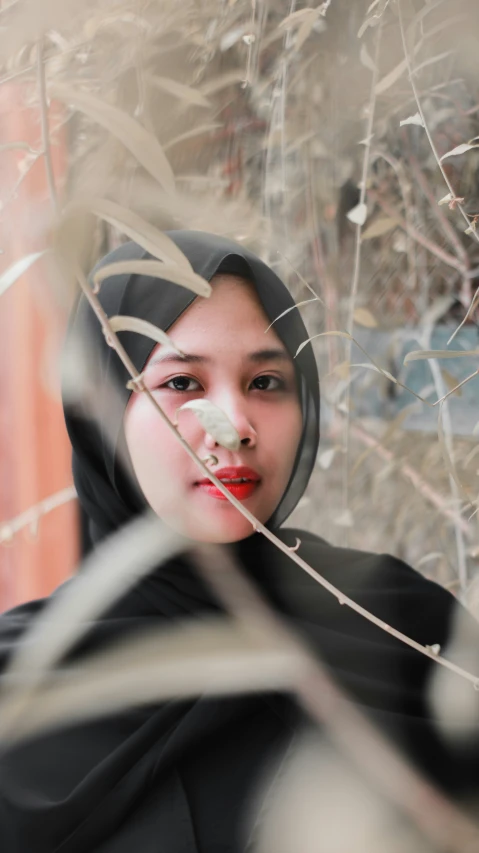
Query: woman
x=184 y=775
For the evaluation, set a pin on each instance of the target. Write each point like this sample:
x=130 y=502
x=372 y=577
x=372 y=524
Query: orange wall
x=34 y=448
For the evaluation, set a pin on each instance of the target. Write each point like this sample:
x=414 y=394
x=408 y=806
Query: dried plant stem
x=465 y=293
x=42 y=91
x=364 y=177
x=438 y=213
x=416 y=235
x=357 y=263
x=459 y=536
x=32 y=515
x=421 y=113
x=249 y=61
x=255 y=523
x=423 y=487
x=405 y=189
x=436 y=155
x=355 y=735
x=330 y=296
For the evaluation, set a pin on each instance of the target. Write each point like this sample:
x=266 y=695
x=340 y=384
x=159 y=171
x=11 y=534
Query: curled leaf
x=135 y=227
x=191 y=134
x=155 y=269
x=415 y=119
x=214 y=421
x=298 y=305
x=123 y=323
x=460 y=149
x=446 y=198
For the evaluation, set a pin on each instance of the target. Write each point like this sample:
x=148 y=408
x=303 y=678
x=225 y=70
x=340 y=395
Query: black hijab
x=182 y=776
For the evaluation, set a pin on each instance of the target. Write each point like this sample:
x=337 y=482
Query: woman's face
x=246 y=373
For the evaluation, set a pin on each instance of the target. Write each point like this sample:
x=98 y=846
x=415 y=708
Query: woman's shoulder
x=382 y=583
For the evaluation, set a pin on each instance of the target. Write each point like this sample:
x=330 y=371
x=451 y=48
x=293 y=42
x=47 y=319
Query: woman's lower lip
x=240 y=491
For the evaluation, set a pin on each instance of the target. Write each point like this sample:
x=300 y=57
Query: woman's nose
x=240 y=421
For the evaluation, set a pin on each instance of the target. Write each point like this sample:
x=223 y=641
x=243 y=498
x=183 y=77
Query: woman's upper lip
x=233 y=473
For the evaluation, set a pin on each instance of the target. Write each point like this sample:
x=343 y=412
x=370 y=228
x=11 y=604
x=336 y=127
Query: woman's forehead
x=233 y=302
x=232 y=320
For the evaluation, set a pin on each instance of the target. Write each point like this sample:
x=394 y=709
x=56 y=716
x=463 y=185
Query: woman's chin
x=205 y=528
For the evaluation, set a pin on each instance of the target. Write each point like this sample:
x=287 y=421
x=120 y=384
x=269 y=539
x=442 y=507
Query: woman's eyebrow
x=188 y=358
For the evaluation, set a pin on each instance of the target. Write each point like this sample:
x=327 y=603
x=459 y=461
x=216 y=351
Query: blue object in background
x=372 y=395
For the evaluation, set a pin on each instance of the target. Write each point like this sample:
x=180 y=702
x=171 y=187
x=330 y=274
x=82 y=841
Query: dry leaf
x=212 y=656
x=304 y=32
x=376 y=369
x=364 y=318
x=298 y=305
x=358 y=214
x=222 y=81
x=379 y=227
x=16 y=270
x=415 y=119
x=179 y=90
x=191 y=134
x=298 y=17
x=115 y=565
x=460 y=149
x=134 y=137
x=155 y=269
x=138 y=229
x=446 y=198
x=417 y=355
x=214 y=421
x=391 y=78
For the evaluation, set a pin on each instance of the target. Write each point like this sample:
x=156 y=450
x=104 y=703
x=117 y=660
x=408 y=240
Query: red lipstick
x=245 y=482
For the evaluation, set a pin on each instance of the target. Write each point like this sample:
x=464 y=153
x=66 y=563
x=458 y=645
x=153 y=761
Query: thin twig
x=465 y=294
x=436 y=155
x=113 y=341
x=416 y=235
x=364 y=177
x=42 y=91
x=357 y=261
x=31 y=516
x=423 y=487
x=325 y=701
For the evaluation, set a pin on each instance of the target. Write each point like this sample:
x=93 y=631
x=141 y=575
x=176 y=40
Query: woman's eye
x=182 y=383
x=269 y=383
